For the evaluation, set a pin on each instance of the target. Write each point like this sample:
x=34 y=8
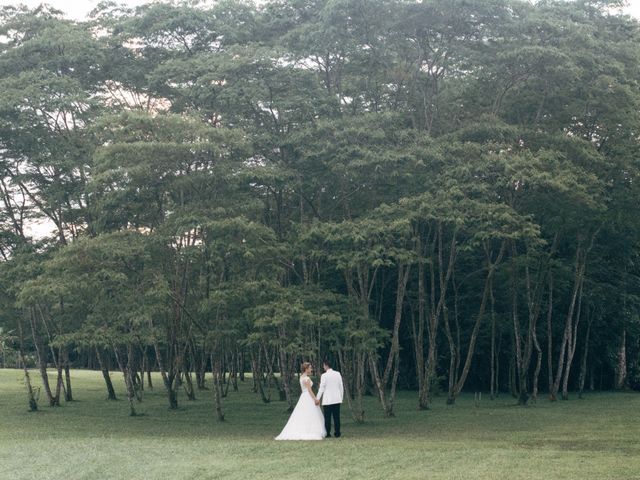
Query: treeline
x=439 y=195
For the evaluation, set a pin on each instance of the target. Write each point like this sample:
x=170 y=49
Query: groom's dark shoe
x=338 y=435
x=328 y=435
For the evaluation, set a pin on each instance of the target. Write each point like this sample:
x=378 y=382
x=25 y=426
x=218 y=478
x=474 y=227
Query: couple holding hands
x=307 y=421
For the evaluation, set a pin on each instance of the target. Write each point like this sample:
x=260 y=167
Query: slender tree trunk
x=42 y=361
x=353 y=375
x=234 y=369
x=393 y=359
x=258 y=378
x=186 y=369
x=536 y=373
x=438 y=309
x=585 y=355
x=191 y=393
x=513 y=383
x=284 y=371
x=241 y=365
x=521 y=374
x=493 y=387
x=68 y=396
x=571 y=346
x=169 y=378
x=128 y=382
x=568 y=329
x=111 y=393
x=621 y=368
x=31 y=394
x=418 y=334
x=550 y=337
x=491 y=267
x=216 y=368
x=378 y=383
x=271 y=376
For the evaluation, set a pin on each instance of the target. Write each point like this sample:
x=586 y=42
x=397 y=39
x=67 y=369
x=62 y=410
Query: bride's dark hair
x=304 y=366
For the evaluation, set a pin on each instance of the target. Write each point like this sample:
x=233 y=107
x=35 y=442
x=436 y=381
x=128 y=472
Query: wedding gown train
x=306 y=421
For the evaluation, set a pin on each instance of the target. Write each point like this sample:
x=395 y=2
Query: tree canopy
x=439 y=195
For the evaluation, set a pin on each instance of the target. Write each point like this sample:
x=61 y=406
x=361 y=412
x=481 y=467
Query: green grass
x=91 y=438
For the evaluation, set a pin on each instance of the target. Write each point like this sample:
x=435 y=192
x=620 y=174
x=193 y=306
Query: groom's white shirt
x=331 y=389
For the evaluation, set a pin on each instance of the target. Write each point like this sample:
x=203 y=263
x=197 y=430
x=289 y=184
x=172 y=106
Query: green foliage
x=256 y=177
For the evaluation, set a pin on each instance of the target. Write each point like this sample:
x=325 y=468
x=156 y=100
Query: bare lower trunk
x=455 y=390
x=234 y=371
x=380 y=388
x=583 y=363
x=284 y=373
x=536 y=373
x=68 y=396
x=418 y=339
x=31 y=394
x=353 y=371
x=111 y=393
x=493 y=386
x=520 y=369
x=565 y=345
x=621 y=368
x=42 y=361
x=443 y=275
x=393 y=360
x=188 y=386
x=216 y=367
x=169 y=378
x=571 y=347
x=200 y=361
x=550 y=338
x=128 y=382
x=259 y=380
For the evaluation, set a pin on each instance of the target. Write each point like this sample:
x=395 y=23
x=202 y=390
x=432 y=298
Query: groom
x=331 y=391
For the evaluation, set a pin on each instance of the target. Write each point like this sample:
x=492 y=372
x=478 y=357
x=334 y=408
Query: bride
x=306 y=422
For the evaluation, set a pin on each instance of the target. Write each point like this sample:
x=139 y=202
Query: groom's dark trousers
x=332 y=411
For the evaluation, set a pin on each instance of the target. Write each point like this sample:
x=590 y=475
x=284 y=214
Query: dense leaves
x=436 y=195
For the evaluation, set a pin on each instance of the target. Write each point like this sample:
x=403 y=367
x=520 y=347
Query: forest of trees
x=441 y=196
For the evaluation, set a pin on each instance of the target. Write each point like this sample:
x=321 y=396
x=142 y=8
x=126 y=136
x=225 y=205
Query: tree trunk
x=418 y=336
x=284 y=371
x=111 y=393
x=568 y=329
x=353 y=376
x=493 y=387
x=68 y=396
x=31 y=395
x=536 y=373
x=521 y=373
x=42 y=361
x=393 y=359
x=258 y=378
x=128 y=382
x=169 y=378
x=550 y=338
x=455 y=390
x=216 y=368
x=621 y=368
x=585 y=354
x=571 y=346
x=437 y=309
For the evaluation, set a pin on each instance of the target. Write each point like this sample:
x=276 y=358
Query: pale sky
x=76 y=9
x=79 y=8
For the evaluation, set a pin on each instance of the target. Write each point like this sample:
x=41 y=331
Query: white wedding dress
x=306 y=421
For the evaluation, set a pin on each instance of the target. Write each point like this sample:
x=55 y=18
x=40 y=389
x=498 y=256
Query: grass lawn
x=91 y=438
